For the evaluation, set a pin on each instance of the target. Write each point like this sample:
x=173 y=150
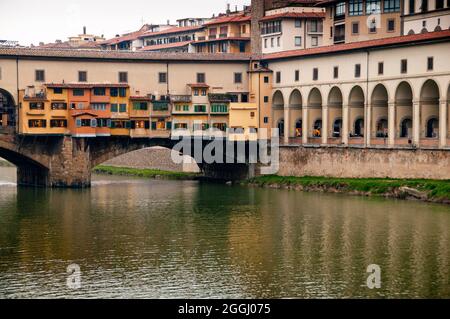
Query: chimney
x=58 y=41
x=235 y=8
x=41 y=44
x=228 y=8
x=84 y=30
x=168 y=22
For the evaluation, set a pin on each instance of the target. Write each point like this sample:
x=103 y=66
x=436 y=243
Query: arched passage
x=315 y=116
x=356 y=115
x=429 y=110
x=277 y=109
x=7 y=109
x=334 y=125
x=29 y=171
x=379 y=105
x=295 y=116
x=403 y=113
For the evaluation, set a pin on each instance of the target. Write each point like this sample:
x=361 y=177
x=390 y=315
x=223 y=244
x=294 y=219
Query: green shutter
x=114 y=108
x=128 y=124
x=153 y=125
x=169 y=125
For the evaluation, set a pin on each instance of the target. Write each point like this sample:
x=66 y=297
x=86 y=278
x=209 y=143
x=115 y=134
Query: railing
x=219 y=97
x=181 y=98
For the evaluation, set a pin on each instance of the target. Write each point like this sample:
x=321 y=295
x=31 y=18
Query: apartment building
x=419 y=16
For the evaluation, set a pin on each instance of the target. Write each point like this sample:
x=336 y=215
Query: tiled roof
x=406 y=39
x=228 y=19
x=170 y=31
x=121 y=55
x=85 y=85
x=294 y=15
x=68 y=45
x=165 y=46
x=223 y=39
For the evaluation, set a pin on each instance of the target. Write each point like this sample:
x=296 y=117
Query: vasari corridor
x=270 y=150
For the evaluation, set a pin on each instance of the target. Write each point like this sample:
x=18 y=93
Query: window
x=36 y=106
x=298 y=23
x=37 y=123
x=219 y=108
x=278 y=77
x=373 y=26
x=314 y=26
x=271 y=42
x=122 y=108
x=244 y=98
x=357 y=70
x=355 y=27
x=373 y=6
x=160 y=106
x=40 y=75
x=380 y=68
x=335 y=72
x=114 y=108
x=78 y=92
x=82 y=76
x=314 y=41
x=265 y=43
x=315 y=74
x=391 y=25
x=412 y=6
x=266 y=99
x=122 y=92
x=424 y=7
x=297 y=75
x=203 y=92
x=298 y=41
x=123 y=77
x=98 y=106
x=404 y=66
x=114 y=92
x=339 y=9
x=186 y=108
x=278 y=41
x=266 y=120
x=57 y=90
x=58 y=123
x=140 y=106
x=266 y=79
x=200 y=77
x=237 y=77
x=271 y=27
x=430 y=63
x=99 y=91
x=196 y=92
x=59 y=106
x=439 y=4
x=200 y=108
x=162 y=77
x=391 y=6
x=355 y=7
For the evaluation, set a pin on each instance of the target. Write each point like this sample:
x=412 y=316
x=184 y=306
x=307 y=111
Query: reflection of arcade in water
x=7 y=110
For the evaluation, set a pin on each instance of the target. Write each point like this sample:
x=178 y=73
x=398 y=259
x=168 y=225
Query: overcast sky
x=47 y=20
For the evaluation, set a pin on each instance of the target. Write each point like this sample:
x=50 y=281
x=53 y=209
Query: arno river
x=170 y=239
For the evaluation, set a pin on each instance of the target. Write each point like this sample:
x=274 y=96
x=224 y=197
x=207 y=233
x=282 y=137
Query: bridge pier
x=228 y=172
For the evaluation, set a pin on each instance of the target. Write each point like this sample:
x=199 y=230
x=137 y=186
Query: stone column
x=443 y=111
x=391 y=124
x=287 y=122
x=367 y=123
x=325 y=126
x=345 y=122
x=305 y=125
x=416 y=123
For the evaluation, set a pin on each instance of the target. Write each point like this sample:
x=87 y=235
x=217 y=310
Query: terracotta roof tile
x=170 y=31
x=231 y=18
x=360 y=45
x=198 y=85
x=223 y=39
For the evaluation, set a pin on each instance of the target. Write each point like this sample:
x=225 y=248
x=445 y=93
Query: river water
x=142 y=238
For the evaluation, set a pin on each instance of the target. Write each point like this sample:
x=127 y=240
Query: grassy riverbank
x=426 y=190
x=147 y=173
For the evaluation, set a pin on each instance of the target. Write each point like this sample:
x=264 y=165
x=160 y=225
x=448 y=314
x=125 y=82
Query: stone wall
x=363 y=163
x=151 y=158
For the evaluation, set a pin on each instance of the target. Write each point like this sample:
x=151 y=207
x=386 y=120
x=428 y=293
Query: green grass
x=147 y=173
x=436 y=190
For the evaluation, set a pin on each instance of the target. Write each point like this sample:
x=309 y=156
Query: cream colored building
x=425 y=16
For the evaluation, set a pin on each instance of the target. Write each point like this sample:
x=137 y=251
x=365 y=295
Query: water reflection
x=138 y=238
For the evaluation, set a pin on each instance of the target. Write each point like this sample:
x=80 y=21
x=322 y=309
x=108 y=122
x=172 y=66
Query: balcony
x=223 y=35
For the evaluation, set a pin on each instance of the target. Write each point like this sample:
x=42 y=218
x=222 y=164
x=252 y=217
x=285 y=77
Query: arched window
x=298 y=128
x=382 y=128
x=432 y=128
x=337 y=128
x=406 y=128
x=281 y=127
x=317 y=128
x=359 y=128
